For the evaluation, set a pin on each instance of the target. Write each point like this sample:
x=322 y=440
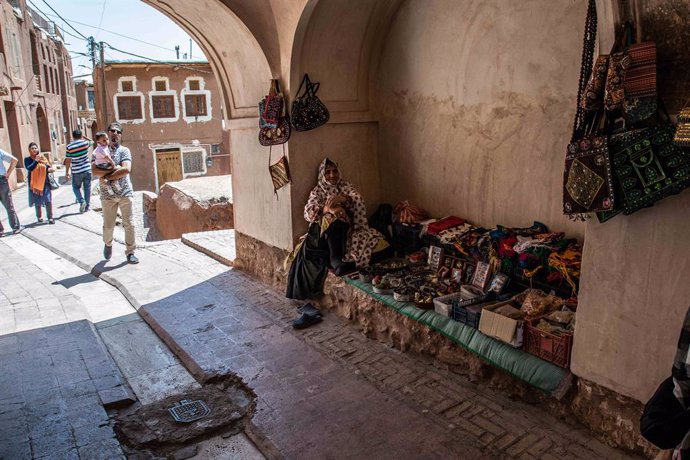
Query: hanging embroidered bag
x=308 y=112
x=280 y=172
x=273 y=121
x=648 y=166
x=587 y=181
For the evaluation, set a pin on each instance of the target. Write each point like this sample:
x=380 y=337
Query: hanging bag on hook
x=273 y=119
x=280 y=172
x=587 y=180
x=308 y=112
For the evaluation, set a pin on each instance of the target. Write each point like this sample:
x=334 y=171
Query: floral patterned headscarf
x=326 y=186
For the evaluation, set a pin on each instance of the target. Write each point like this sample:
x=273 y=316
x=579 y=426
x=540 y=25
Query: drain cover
x=188 y=411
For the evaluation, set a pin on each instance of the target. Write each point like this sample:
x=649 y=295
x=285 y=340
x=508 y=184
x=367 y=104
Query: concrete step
x=218 y=244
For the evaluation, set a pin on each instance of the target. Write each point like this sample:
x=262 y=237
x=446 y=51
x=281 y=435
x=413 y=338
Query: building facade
x=86 y=107
x=37 y=97
x=171 y=115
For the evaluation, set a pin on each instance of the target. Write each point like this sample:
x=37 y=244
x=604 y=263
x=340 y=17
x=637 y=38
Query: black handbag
x=664 y=422
x=308 y=112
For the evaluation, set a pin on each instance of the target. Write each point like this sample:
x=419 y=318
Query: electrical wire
x=58 y=15
x=155 y=60
x=100 y=22
x=118 y=34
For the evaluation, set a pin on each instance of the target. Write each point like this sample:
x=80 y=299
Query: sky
x=129 y=25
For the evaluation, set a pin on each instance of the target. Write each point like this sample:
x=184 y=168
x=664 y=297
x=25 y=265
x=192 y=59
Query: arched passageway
x=464 y=107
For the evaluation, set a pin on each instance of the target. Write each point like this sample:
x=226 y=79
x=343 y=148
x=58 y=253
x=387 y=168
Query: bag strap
x=313 y=88
x=586 y=65
x=305 y=79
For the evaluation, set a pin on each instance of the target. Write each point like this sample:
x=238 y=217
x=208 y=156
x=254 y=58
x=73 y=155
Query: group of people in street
x=110 y=162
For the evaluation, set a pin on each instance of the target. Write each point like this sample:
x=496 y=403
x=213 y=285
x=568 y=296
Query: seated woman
x=339 y=209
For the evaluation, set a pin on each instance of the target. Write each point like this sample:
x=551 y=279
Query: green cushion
x=535 y=371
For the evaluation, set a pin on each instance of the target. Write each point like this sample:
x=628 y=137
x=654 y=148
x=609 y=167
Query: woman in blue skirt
x=39 y=184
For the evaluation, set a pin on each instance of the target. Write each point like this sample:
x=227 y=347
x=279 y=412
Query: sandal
x=306 y=320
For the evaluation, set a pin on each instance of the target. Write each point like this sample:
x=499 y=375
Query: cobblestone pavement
x=56 y=373
x=499 y=426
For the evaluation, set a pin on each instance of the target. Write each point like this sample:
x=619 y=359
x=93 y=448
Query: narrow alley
x=84 y=341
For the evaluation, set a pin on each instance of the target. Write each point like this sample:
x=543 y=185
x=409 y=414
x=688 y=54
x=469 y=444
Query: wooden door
x=169 y=166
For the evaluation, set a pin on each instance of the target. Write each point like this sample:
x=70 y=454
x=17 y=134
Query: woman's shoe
x=39 y=220
x=51 y=221
x=305 y=321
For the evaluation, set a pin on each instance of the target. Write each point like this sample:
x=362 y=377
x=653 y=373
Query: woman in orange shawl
x=39 y=185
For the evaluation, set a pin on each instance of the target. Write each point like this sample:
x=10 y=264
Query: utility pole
x=190 y=49
x=177 y=51
x=103 y=93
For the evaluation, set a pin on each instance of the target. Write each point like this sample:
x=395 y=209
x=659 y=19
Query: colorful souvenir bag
x=280 y=171
x=273 y=120
x=308 y=112
x=271 y=107
x=587 y=180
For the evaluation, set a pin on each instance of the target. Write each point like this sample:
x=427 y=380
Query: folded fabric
x=450 y=235
x=444 y=224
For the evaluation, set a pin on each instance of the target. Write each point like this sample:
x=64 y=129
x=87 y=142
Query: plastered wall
x=476 y=100
x=260 y=213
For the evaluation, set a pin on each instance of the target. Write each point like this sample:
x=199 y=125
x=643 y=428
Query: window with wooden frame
x=195 y=105
x=129 y=108
x=194 y=85
x=193 y=161
x=160 y=85
x=127 y=86
x=163 y=106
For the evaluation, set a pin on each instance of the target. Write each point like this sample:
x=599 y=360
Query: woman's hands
x=334 y=204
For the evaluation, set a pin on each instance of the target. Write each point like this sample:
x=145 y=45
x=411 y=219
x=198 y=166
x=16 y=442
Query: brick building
x=171 y=115
x=37 y=97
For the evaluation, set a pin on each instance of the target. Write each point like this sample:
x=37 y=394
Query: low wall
x=613 y=417
x=194 y=205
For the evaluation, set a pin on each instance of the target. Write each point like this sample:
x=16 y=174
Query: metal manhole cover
x=188 y=411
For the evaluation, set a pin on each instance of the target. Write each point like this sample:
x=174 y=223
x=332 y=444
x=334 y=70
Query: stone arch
x=43 y=125
x=238 y=60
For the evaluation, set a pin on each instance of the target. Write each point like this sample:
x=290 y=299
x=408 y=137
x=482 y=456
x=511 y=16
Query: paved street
x=326 y=392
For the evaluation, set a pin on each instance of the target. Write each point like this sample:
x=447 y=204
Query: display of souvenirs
x=435 y=257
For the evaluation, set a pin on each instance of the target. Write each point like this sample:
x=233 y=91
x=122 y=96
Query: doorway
x=44 y=142
x=15 y=140
x=168 y=166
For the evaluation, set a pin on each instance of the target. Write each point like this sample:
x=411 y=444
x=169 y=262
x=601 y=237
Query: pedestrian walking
x=39 y=183
x=6 y=193
x=77 y=158
x=116 y=192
